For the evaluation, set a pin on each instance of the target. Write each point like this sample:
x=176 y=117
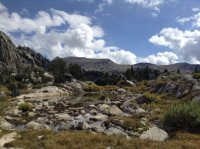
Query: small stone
x=31 y=114
x=40 y=137
x=83 y=126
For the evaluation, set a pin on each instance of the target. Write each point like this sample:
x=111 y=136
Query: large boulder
x=115 y=131
x=5 y=125
x=110 y=110
x=114 y=110
x=7 y=138
x=155 y=134
x=36 y=126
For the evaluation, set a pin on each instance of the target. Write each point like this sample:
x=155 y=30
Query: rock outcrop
x=21 y=57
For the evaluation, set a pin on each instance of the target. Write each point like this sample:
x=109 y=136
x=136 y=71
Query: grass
x=152 y=97
x=184 y=116
x=86 y=140
x=4 y=103
x=196 y=75
x=5 y=90
x=129 y=122
x=139 y=88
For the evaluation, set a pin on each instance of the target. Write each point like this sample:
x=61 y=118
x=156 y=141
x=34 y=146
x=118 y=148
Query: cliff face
x=8 y=55
x=21 y=57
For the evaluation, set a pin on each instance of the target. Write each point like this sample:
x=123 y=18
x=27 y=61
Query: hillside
x=96 y=64
x=109 y=66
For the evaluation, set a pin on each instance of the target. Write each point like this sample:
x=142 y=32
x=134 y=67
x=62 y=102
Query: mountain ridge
x=109 y=66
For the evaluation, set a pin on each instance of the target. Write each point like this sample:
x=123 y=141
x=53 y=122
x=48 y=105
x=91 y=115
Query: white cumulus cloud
x=186 y=43
x=58 y=33
x=164 y=58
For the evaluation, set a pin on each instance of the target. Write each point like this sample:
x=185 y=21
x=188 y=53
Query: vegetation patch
x=4 y=103
x=184 y=116
x=96 y=88
x=25 y=107
x=5 y=90
x=129 y=122
x=196 y=75
x=85 y=140
x=152 y=97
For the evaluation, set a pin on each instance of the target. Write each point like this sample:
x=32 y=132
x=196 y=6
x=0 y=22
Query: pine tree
x=178 y=71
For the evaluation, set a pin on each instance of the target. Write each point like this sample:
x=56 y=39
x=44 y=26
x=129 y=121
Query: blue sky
x=125 y=31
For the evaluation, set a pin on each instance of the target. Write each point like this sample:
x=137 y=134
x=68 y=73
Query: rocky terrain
x=122 y=112
x=75 y=114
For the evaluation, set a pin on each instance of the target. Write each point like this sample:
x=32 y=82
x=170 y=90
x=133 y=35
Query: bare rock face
x=21 y=57
x=7 y=50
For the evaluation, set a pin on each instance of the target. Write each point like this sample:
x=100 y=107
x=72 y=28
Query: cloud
x=186 y=43
x=164 y=58
x=195 y=19
x=151 y=4
x=102 y=5
x=58 y=33
x=2 y=7
x=195 y=9
x=89 y=1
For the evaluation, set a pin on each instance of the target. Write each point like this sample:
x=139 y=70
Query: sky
x=125 y=31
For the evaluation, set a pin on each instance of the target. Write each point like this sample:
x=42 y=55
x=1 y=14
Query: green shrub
x=184 y=116
x=25 y=107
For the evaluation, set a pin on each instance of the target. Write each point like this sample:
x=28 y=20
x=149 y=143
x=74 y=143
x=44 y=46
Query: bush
x=25 y=107
x=183 y=116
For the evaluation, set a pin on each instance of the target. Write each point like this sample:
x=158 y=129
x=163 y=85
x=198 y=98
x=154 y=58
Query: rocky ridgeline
x=21 y=57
